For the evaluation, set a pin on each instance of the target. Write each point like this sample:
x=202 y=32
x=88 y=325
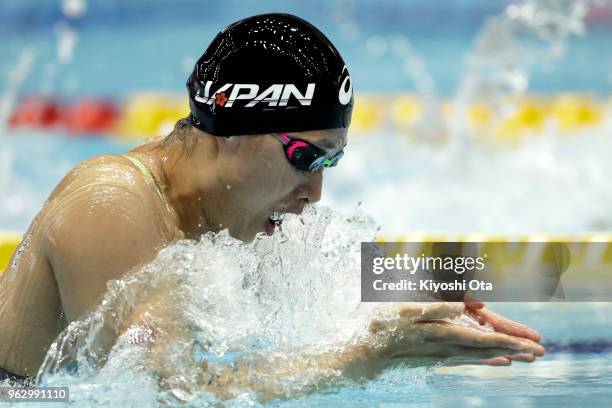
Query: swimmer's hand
x=416 y=334
x=502 y=325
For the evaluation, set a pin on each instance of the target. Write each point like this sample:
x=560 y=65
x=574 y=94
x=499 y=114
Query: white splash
x=277 y=294
x=66 y=42
x=74 y=8
x=16 y=77
x=507 y=47
x=550 y=185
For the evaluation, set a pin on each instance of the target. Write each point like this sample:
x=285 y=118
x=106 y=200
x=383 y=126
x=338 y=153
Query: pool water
x=300 y=292
x=365 y=32
x=559 y=380
x=578 y=377
x=549 y=184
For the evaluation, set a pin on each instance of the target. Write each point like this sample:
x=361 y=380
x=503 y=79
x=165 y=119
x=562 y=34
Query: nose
x=311 y=191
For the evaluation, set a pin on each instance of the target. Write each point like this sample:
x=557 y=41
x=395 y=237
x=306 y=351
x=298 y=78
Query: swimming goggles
x=305 y=156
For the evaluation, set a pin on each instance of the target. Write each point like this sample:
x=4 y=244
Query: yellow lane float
x=405 y=111
x=528 y=118
x=8 y=243
x=150 y=115
x=480 y=115
x=368 y=113
x=592 y=252
x=575 y=112
x=587 y=249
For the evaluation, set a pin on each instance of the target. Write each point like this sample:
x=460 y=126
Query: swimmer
x=271 y=102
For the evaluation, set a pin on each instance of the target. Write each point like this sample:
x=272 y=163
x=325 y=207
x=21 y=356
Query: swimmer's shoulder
x=93 y=185
x=103 y=196
x=98 y=228
x=100 y=173
x=106 y=186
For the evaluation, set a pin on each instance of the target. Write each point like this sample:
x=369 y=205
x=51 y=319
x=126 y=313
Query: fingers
x=456 y=353
x=417 y=312
x=496 y=355
x=474 y=304
x=503 y=325
x=467 y=337
x=431 y=311
x=523 y=357
x=495 y=362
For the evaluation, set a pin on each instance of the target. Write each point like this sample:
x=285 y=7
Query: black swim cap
x=270 y=73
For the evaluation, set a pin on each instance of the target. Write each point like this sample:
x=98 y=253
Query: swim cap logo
x=274 y=95
x=221 y=99
x=346 y=89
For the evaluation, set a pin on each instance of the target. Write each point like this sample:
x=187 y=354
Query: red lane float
x=85 y=116
x=151 y=114
x=38 y=113
x=90 y=116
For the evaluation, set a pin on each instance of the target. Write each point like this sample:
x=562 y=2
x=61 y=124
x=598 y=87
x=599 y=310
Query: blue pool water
x=33 y=163
x=578 y=376
x=576 y=372
x=550 y=185
x=156 y=48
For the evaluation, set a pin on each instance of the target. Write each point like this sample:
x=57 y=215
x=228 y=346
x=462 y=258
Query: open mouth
x=274 y=220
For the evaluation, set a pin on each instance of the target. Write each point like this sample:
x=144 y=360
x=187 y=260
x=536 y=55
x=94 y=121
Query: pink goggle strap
x=284 y=138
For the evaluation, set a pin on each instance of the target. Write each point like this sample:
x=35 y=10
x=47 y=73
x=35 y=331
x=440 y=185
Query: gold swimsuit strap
x=147 y=173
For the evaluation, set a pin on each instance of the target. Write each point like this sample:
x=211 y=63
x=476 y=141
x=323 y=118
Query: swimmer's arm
x=411 y=333
x=278 y=376
x=96 y=235
x=170 y=355
x=271 y=376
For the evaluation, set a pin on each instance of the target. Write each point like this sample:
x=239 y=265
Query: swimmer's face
x=264 y=181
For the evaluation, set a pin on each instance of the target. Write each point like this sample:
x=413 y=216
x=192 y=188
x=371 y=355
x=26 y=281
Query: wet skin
x=105 y=219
